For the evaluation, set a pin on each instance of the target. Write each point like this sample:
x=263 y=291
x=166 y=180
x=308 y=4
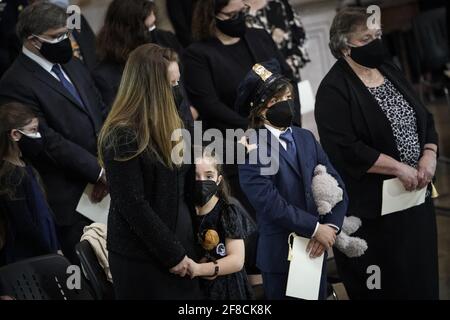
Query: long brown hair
x=145 y=106
x=12 y=116
x=124 y=29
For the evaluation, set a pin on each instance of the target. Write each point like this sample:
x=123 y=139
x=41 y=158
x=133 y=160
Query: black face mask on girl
x=281 y=113
x=235 y=28
x=204 y=190
x=57 y=52
x=371 y=55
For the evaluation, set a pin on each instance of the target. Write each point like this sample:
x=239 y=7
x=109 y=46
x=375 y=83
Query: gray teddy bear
x=327 y=194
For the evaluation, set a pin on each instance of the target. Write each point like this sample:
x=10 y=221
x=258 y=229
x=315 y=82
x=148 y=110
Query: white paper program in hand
x=396 y=198
x=97 y=212
x=304 y=272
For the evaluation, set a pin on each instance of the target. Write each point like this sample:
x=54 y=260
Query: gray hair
x=39 y=18
x=344 y=23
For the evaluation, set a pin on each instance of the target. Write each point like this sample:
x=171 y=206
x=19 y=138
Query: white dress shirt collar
x=44 y=63
x=277 y=133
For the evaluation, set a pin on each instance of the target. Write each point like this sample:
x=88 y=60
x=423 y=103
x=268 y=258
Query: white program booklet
x=97 y=212
x=304 y=272
x=396 y=198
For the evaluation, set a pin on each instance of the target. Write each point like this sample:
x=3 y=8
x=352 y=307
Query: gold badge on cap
x=262 y=72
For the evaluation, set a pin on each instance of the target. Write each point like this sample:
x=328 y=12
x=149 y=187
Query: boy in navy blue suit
x=283 y=201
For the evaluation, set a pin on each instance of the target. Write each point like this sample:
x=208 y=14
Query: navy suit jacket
x=283 y=201
x=67 y=157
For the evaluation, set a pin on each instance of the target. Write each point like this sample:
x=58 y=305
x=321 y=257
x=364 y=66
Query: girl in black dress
x=27 y=227
x=221 y=228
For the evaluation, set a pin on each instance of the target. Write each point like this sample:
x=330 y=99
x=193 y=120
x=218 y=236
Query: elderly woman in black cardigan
x=373 y=127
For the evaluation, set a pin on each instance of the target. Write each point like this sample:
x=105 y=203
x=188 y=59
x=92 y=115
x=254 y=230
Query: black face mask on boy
x=281 y=113
x=204 y=190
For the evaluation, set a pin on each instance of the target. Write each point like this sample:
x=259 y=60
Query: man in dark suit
x=46 y=77
x=82 y=40
x=280 y=192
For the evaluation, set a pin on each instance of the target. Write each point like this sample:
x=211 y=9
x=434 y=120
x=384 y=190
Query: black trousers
x=69 y=237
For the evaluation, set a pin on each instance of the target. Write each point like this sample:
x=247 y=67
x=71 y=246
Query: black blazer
x=354 y=131
x=107 y=74
x=107 y=77
x=180 y=13
x=212 y=77
x=67 y=161
x=86 y=40
x=144 y=206
x=8 y=39
x=166 y=39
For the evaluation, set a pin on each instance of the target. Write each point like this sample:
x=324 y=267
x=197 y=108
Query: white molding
x=317 y=17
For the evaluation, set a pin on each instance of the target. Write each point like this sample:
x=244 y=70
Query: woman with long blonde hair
x=150 y=235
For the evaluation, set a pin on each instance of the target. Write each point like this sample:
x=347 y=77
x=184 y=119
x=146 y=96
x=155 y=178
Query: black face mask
x=60 y=52
x=281 y=114
x=235 y=28
x=178 y=95
x=204 y=190
x=152 y=36
x=371 y=55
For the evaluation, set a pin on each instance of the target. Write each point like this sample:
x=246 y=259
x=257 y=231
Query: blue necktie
x=290 y=144
x=69 y=87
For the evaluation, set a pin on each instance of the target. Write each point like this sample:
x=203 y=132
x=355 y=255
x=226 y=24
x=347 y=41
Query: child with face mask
x=282 y=197
x=221 y=229
x=26 y=222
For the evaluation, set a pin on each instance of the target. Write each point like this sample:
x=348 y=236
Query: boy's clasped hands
x=323 y=240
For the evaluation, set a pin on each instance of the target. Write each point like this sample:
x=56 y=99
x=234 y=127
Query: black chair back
x=103 y=289
x=43 y=278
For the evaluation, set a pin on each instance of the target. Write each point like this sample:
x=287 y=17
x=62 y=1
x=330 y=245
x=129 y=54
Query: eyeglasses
x=235 y=15
x=56 y=39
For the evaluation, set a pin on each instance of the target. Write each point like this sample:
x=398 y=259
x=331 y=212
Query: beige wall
x=163 y=19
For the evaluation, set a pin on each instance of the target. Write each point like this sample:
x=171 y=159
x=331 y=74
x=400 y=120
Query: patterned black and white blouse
x=402 y=118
